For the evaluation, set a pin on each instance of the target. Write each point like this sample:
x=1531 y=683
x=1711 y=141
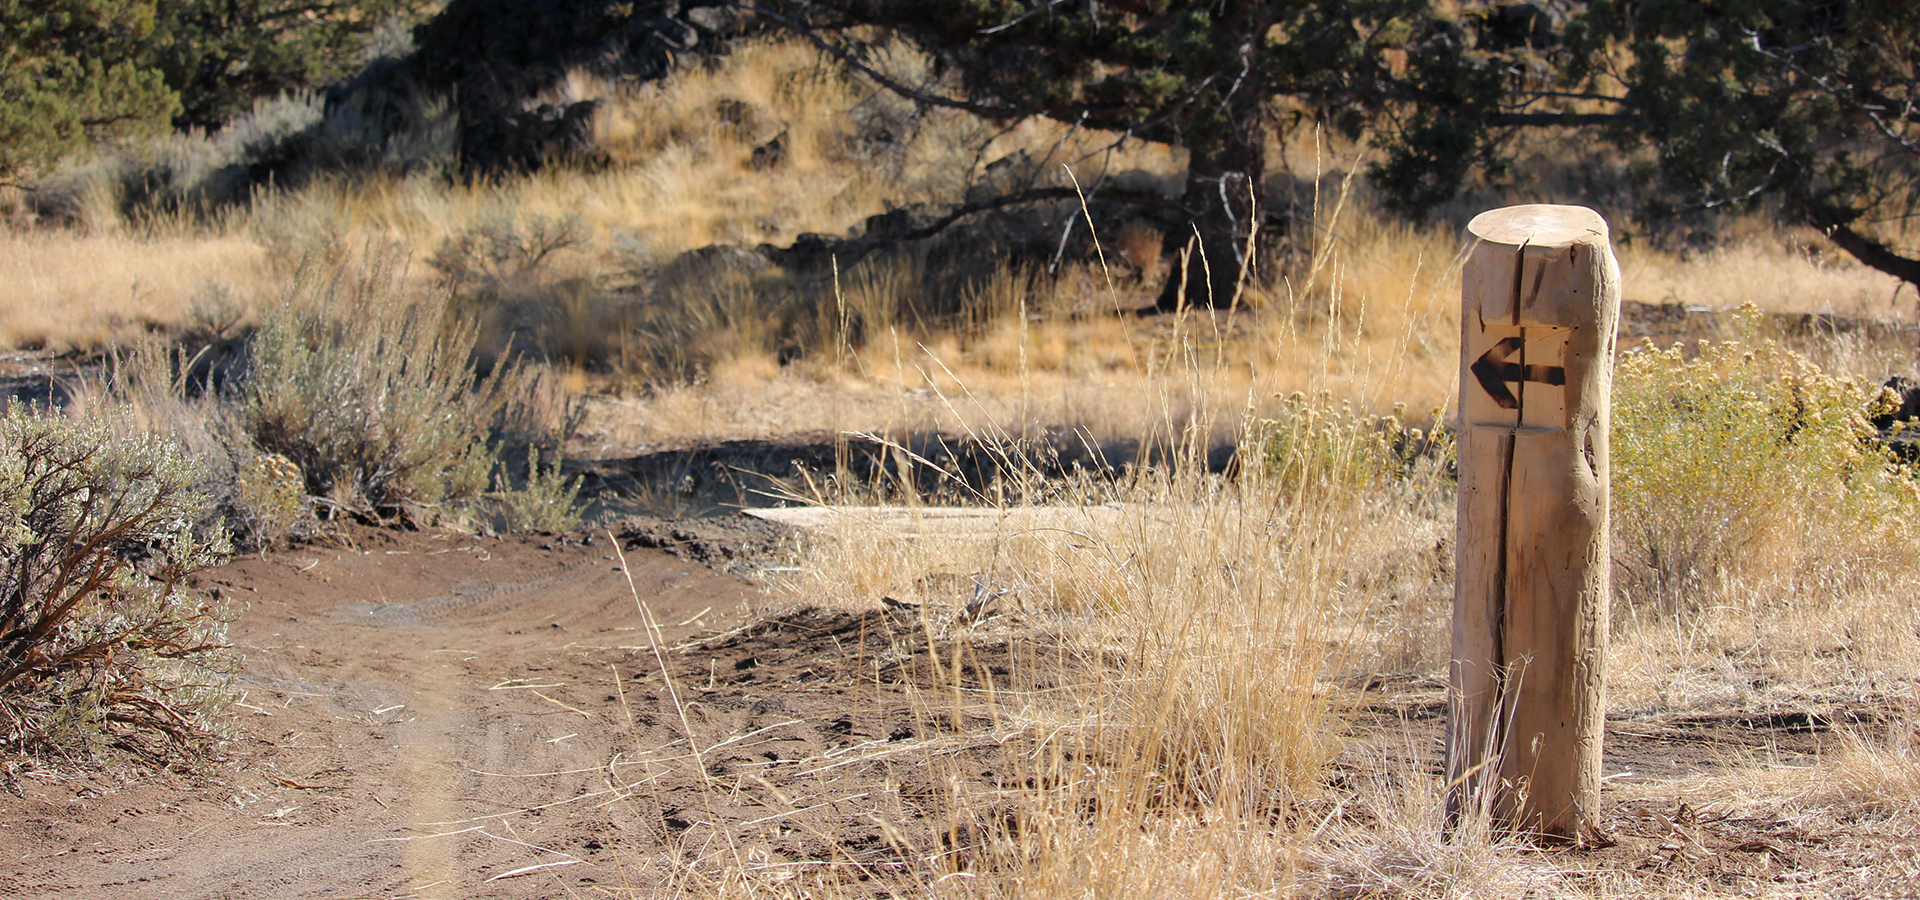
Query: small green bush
x=372 y=393
x=184 y=390
x=100 y=640
x=545 y=502
x=1737 y=463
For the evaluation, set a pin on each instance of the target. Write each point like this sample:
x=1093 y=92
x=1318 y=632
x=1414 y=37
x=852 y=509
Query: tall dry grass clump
x=1172 y=732
x=1202 y=716
x=1192 y=635
x=1779 y=271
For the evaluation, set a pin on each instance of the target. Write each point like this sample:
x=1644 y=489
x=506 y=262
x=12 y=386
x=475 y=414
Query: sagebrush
x=101 y=639
x=371 y=391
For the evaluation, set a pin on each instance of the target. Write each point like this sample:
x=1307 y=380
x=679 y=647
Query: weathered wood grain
x=1540 y=302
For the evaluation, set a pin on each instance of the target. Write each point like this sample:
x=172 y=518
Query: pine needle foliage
x=66 y=78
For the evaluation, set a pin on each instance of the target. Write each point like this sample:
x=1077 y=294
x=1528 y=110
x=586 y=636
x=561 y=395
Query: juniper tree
x=220 y=55
x=73 y=72
x=1215 y=77
x=69 y=75
x=1809 y=108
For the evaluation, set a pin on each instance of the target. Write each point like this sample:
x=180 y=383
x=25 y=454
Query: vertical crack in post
x=1504 y=697
x=1520 y=297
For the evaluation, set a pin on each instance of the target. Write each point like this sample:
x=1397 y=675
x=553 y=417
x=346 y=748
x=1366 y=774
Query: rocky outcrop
x=527 y=139
x=1906 y=395
x=1899 y=425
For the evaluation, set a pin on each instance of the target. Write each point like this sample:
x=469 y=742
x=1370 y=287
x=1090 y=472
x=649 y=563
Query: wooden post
x=1540 y=297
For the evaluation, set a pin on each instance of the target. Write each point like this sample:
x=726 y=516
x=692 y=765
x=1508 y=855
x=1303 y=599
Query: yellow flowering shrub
x=1743 y=461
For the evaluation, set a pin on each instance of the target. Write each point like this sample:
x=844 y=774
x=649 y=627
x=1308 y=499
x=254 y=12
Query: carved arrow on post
x=1493 y=372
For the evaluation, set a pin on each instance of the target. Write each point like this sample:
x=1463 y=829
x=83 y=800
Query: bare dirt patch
x=1669 y=826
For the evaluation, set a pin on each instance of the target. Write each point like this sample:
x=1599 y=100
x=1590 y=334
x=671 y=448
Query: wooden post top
x=1539 y=266
x=1539 y=225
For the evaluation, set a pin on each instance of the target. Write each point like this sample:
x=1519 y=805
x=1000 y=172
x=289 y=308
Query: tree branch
x=1871 y=253
x=853 y=62
x=853 y=250
x=1031 y=196
x=1105 y=118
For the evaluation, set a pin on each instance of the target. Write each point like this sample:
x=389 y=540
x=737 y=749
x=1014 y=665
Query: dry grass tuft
x=1778 y=272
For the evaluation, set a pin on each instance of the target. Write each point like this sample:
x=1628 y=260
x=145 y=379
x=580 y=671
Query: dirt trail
x=425 y=716
x=442 y=717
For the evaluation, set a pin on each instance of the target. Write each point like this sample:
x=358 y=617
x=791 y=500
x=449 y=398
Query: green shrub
x=100 y=641
x=1309 y=442
x=372 y=393
x=221 y=55
x=69 y=76
x=184 y=390
x=1744 y=461
x=545 y=502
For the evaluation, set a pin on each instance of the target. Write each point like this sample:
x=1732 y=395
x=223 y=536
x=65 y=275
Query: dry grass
x=1193 y=590
x=1260 y=595
x=684 y=177
x=1373 y=325
x=683 y=173
x=68 y=291
x=1793 y=272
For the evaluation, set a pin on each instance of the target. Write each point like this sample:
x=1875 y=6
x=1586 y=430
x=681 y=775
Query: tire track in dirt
x=426 y=782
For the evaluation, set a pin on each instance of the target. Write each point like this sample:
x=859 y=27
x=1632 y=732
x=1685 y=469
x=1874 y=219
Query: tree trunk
x=1214 y=253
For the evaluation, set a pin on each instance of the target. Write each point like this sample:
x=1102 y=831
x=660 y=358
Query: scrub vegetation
x=1215 y=666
